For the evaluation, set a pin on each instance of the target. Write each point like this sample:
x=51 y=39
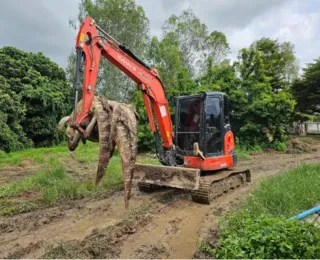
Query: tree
x=195 y=44
x=265 y=113
x=128 y=24
x=281 y=65
x=36 y=96
x=12 y=136
x=307 y=89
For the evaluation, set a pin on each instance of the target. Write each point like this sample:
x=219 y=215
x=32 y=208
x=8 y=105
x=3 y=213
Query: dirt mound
x=101 y=243
x=297 y=146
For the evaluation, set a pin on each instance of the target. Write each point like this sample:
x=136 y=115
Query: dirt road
x=164 y=224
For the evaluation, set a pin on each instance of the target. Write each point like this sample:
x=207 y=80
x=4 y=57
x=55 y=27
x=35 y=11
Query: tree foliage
x=265 y=113
x=280 y=63
x=125 y=21
x=34 y=96
x=307 y=89
x=195 y=43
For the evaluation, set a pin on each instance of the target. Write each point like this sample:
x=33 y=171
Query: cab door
x=189 y=119
x=213 y=126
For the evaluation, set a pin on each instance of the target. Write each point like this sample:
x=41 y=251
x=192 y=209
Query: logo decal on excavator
x=125 y=62
x=144 y=76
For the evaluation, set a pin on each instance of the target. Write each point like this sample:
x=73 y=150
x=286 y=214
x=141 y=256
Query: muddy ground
x=163 y=224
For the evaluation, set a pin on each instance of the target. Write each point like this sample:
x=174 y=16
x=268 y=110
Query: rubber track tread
x=207 y=192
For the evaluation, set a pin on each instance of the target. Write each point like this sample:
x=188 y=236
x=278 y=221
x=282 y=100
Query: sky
x=43 y=25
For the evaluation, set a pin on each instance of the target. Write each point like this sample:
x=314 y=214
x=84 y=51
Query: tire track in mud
x=172 y=231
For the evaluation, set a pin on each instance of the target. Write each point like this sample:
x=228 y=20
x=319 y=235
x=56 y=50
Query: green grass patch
x=260 y=228
x=286 y=194
x=113 y=176
x=148 y=160
x=38 y=155
x=243 y=154
x=86 y=153
x=53 y=183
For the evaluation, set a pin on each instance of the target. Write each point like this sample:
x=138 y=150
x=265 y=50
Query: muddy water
x=176 y=225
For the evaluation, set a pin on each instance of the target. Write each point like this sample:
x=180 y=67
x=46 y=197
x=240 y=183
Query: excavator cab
x=203 y=120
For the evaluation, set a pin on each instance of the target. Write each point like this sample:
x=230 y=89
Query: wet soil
x=162 y=224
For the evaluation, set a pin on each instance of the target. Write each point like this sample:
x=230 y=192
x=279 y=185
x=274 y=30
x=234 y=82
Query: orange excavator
x=198 y=155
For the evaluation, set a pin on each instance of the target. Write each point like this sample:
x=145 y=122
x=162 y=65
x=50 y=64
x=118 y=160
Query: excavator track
x=213 y=186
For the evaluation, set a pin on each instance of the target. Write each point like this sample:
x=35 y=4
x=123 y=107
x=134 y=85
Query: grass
x=286 y=194
x=147 y=159
x=260 y=228
x=243 y=154
x=37 y=155
x=13 y=208
x=310 y=138
x=85 y=153
x=53 y=184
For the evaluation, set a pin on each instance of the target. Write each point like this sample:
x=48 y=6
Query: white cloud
x=295 y=21
x=42 y=25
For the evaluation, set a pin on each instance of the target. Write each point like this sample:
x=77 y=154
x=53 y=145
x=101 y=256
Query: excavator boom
x=92 y=43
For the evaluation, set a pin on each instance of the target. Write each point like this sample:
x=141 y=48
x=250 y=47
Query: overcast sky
x=42 y=25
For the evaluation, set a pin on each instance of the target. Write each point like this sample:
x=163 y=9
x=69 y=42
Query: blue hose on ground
x=306 y=213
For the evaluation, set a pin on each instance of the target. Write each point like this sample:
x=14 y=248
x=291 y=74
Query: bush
x=280 y=146
x=244 y=236
x=34 y=95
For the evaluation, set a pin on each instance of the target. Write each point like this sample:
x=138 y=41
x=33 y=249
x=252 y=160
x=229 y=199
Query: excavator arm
x=92 y=43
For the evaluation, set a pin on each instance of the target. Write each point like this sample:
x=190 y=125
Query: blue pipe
x=306 y=213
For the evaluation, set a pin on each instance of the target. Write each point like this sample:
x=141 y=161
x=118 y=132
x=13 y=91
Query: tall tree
x=127 y=23
x=195 y=43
